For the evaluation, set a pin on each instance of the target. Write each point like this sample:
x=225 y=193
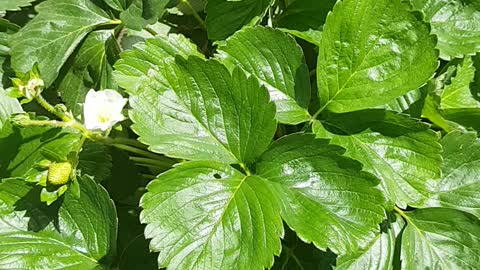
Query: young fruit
x=59 y=173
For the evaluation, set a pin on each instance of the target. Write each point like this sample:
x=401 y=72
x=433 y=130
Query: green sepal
x=50 y=197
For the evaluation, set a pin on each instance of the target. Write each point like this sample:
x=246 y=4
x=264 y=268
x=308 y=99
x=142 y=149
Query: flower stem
x=194 y=13
x=245 y=168
x=124 y=141
x=159 y=163
x=402 y=214
x=44 y=103
x=142 y=152
x=151 y=31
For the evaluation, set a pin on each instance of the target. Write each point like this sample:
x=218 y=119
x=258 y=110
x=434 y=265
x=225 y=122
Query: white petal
x=103 y=109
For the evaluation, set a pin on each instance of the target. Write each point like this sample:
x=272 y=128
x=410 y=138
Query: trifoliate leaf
x=153 y=52
x=440 y=238
x=326 y=199
x=224 y=17
x=74 y=234
x=205 y=215
x=52 y=36
x=12 y=5
x=372 y=52
x=203 y=113
x=456 y=23
x=277 y=61
x=459 y=186
x=402 y=152
x=380 y=253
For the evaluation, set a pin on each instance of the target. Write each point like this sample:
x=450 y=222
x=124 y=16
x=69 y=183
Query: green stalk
x=194 y=12
x=155 y=162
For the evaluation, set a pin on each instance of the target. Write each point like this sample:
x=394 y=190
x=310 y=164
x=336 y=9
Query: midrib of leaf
x=220 y=219
x=204 y=126
x=340 y=90
x=420 y=232
x=458 y=168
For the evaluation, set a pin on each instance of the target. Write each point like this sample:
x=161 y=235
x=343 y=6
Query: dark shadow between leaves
x=40 y=215
x=387 y=123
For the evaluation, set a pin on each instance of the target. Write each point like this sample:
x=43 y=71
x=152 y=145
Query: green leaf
x=380 y=253
x=457 y=94
x=205 y=215
x=303 y=15
x=439 y=238
x=312 y=36
x=411 y=103
x=457 y=100
x=204 y=113
x=277 y=61
x=326 y=199
x=82 y=231
x=456 y=23
x=224 y=17
x=23 y=147
x=90 y=70
x=12 y=5
x=148 y=55
x=5 y=71
x=459 y=186
x=372 y=52
x=402 y=152
x=141 y=13
x=36 y=251
x=8 y=106
x=116 y=4
x=52 y=36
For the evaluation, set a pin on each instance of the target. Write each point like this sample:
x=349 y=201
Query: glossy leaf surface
x=203 y=113
x=372 y=52
x=278 y=63
x=52 y=36
x=326 y=199
x=205 y=215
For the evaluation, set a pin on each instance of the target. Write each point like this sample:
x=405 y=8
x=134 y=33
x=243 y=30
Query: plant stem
x=125 y=141
x=194 y=13
x=151 y=31
x=142 y=152
x=162 y=164
x=245 y=168
x=44 y=103
x=402 y=214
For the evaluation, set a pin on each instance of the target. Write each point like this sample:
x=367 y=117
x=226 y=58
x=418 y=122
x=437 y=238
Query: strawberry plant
x=221 y=134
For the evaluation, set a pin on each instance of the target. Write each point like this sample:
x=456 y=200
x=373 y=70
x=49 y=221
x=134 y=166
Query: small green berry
x=59 y=173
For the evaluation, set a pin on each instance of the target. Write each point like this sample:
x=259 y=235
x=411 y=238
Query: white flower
x=103 y=109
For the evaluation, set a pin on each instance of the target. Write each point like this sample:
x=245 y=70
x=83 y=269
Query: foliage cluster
x=278 y=134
